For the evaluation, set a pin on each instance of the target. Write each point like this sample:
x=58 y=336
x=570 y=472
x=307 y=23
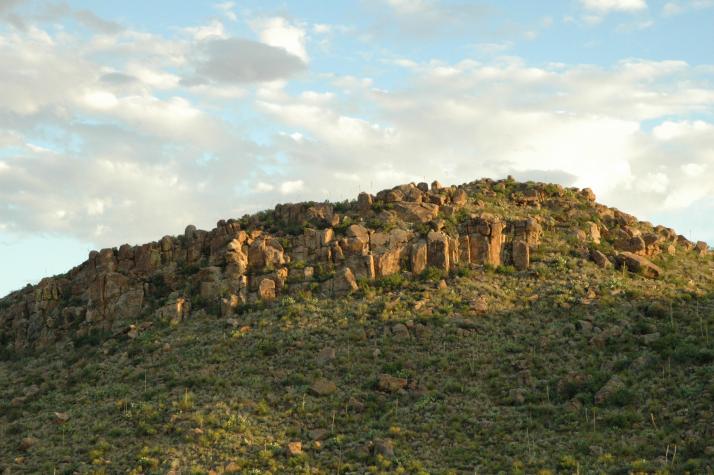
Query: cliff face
x=328 y=249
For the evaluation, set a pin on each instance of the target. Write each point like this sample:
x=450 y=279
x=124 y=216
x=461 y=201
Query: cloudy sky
x=126 y=121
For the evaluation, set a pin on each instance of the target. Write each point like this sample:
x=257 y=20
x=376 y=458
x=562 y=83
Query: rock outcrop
x=326 y=249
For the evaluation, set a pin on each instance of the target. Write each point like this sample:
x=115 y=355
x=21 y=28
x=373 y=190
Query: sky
x=122 y=122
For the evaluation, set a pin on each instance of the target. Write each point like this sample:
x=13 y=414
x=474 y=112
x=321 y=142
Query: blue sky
x=126 y=121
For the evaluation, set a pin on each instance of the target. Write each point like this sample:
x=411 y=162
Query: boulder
x=294 y=448
x=344 y=282
x=638 y=264
x=416 y=212
x=460 y=198
x=391 y=384
x=176 y=310
x=521 y=255
x=323 y=387
x=588 y=194
x=593 y=232
x=265 y=253
x=393 y=196
x=266 y=290
x=438 y=250
x=128 y=306
x=701 y=248
x=358 y=231
x=418 y=257
x=634 y=245
x=600 y=259
x=614 y=385
x=487 y=241
x=388 y=262
x=364 y=203
x=362 y=266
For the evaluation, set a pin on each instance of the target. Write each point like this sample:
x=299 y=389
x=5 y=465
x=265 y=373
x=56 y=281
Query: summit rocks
x=332 y=250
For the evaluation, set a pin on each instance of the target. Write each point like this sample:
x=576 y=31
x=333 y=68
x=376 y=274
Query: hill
x=491 y=326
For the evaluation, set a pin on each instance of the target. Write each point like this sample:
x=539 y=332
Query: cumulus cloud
x=238 y=60
x=280 y=33
x=427 y=17
x=605 y=6
x=578 y=125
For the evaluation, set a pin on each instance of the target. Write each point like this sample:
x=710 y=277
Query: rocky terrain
x=488 y=326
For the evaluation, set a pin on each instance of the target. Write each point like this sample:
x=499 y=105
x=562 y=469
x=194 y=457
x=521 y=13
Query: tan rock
x=635 y=245
x=364 y=203
x=416 y=212
x=588 y=194
x=388 y=262
x=393 y=196
x=323 y=387
x=175 y=311
x=638 y=264
x=438 y=250
x=265 y=253
x=418 y=257
x=460 y=198
x=294 y=448
x=344 y=282
x=61 y=417
x=521 y=255
x=326 y=355
x=129 y=305
x=593 y=232
x=391 y=384
x=27 y=443
x=266 y=290
x=600 y=259
x=362 y=266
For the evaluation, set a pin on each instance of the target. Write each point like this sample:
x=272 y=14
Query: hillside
x=491 y=326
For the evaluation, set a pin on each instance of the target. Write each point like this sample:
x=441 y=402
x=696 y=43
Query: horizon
x=122 y=124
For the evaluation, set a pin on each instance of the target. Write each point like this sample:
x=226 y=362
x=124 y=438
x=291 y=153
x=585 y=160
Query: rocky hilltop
x=489 y=327
x=328 y=249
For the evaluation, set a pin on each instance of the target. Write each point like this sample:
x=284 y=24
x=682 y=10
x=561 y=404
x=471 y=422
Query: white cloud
x=605 y=6
x=293 y=186
x=669 y=130
x=280 y=33
x=672 y=8
x=227 y=9
x=492 y=48
x=680 y=7
x=693 y=169
x=237 y=60
x=96 y=207
x=262 y=187
x=213 y=30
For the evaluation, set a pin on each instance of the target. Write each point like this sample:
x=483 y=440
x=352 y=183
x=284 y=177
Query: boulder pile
x=327 y=249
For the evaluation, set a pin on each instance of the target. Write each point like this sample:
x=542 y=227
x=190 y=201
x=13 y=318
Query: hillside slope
x=489 y=326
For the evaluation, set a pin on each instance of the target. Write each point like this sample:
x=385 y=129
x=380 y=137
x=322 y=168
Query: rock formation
x=326 y=249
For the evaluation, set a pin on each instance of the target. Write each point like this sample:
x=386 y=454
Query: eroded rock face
x=487 y=241
x=521 y=255
x=416 y=212
x=310 y=247
x=438 y=250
